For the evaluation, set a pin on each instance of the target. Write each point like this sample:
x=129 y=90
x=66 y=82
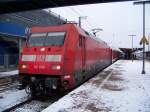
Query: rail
x=17 y=105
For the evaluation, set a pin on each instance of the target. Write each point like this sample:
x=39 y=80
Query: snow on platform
x=7 y=74
x=11 y=98
x=124 y=89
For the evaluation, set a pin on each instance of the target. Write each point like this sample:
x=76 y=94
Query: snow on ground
x=124 y=90
x=11 y=98
x=33 y=106
x=10 y=73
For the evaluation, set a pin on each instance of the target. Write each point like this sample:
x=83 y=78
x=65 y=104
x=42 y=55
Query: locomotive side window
x=55 y=38
x=80 y=41
x=36 y=39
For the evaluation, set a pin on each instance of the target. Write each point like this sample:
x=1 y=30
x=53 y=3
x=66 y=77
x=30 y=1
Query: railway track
x=35 y=105
x=7 y=86
x=8 y=82
x=52 y=99
x=17 y=105
x=3 y=89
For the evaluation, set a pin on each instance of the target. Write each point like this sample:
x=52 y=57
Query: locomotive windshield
x=37 y=39
x=45 y=39
x=55 y=38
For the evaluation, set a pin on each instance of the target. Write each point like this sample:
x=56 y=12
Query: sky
x=118 y=20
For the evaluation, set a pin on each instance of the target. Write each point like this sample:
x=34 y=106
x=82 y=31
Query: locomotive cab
x=43 y=54
x=42 y=59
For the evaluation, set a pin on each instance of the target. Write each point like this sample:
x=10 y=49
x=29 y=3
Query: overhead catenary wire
x=79 y=13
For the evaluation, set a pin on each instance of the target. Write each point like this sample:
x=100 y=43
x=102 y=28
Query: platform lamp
x=149 y=42
x=143 y=3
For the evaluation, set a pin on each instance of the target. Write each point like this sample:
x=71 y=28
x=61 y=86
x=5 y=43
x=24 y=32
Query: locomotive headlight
x=67 y=76
x=42 y=49
x=56 y=67
x=24 y=66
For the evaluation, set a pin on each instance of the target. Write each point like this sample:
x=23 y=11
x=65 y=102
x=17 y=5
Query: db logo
x=40 y=58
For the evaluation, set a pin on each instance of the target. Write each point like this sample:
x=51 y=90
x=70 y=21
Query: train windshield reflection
x=36 y=39
x=45 y=39
x=55 y=38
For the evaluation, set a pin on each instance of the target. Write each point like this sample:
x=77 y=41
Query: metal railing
x=8 y=61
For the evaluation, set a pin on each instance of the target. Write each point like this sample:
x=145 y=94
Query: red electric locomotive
x=61 y=57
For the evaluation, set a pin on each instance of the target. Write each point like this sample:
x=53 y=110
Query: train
x=61 y=58
x=116 y=54
x=139 y=55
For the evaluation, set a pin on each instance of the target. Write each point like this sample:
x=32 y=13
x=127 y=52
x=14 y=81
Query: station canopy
x=8 y=6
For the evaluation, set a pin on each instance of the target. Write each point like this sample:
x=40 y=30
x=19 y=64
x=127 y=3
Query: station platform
x=119 y=88
x=8 y=74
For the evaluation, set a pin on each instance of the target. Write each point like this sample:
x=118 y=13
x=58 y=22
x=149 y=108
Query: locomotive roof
x=66 y=27
x=91 y=35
